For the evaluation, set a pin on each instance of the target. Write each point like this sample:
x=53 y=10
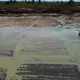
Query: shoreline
x=40 y=20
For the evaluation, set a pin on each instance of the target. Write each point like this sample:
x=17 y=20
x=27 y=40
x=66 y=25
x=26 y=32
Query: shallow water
x=38 y=45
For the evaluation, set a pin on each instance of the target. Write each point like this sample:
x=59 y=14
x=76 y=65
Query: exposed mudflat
x=49 y=20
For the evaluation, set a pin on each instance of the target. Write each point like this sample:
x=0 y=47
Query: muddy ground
x=47 y=20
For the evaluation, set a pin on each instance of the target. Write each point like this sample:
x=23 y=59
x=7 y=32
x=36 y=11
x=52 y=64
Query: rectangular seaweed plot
x=3 y=74
x=6 y=50
x=43 y=45
x=46 y=78
x=9 y=38
x=48 y=72
x=8 y=43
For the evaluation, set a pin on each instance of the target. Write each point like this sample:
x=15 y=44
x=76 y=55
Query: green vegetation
x=39 y=7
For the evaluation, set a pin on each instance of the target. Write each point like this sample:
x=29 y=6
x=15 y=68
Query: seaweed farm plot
x=10 y=38
x=38 y=54
x=48 y=72
x=3 y=74
x=43 y=45
x=8 y=43
x=6 y=50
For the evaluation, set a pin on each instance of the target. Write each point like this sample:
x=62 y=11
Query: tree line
x=33 y=1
